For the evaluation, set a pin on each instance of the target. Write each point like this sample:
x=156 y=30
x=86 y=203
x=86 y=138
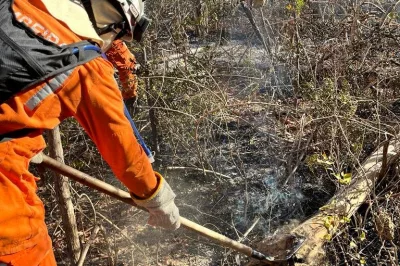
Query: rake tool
x=292 y=242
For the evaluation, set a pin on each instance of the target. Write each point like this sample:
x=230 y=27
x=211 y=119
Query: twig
x=121 y=231
x=388 y=13
x=299 y=160
x=250 y=16
x=86 y=249
x=240 y=239
x=115 y=226
x=198 y=84
x=166 y=109
x=176 y=56
x=197 y=169
x=249 y=230
x=384 y=159
x=108 y=245
x=392 y=196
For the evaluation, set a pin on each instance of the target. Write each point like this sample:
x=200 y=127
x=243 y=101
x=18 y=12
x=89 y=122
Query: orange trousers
x=91 y=95
x=22 y=212
x=40 y=254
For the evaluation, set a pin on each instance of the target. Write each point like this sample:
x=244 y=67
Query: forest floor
x=247 y=195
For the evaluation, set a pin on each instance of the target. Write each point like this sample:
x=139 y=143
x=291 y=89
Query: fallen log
x=345 y=203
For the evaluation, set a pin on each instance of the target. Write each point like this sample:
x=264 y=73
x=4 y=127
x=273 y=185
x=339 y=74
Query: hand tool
x=293 y=242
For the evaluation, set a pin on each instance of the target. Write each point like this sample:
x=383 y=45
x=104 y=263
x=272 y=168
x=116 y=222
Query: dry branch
x=257 y=31
x=198 y=169
x=86 y=249
x=345 y=203
x=63 y=196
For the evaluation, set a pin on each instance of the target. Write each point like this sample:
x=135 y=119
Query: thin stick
x=197 y=169
x=243 y=237
x=86 y=249
x=298 y=160
x=121 y=231
x=250 y=16
x=249 y=230
x=384 y=159
x=390 y=10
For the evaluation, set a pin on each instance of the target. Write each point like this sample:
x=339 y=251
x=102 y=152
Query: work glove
x=162 y=209
x=125 y=62
x=38 y=158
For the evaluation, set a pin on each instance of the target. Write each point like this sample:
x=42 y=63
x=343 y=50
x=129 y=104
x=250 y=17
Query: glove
x=125 y=62
x=162 y=209
x=38 y=158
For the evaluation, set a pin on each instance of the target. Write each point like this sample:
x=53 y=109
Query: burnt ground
x=250 y=193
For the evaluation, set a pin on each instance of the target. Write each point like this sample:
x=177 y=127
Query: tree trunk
x=345 y=203
x=63 y=195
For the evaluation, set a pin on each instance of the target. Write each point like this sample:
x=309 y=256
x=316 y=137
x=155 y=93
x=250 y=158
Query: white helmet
x=133 y=12
x=123 y=16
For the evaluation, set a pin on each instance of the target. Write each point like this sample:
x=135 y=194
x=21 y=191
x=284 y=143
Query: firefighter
x=38 y=91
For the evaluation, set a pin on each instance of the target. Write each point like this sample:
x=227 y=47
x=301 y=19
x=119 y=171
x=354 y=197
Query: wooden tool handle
x=124 y=196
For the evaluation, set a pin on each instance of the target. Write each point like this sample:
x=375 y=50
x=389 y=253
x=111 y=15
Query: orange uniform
x=125 y=62
x=91 y=95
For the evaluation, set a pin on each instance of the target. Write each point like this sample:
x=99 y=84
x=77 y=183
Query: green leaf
x=338 y=177
x=346 y=176
x=362 y=236
x=345 y=219
x=353 y=244
x=328 y=237
x=363 y=261
x=329 y=222
x=393 y=15
x=324 y=162
x=345 y=181
x=343 y=178
x=325 y=207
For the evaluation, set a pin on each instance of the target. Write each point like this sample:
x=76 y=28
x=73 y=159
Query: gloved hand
x=161 y=206
x=125 y=62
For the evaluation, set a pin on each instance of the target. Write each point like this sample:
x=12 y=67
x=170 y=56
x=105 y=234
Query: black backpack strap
x=84 y=51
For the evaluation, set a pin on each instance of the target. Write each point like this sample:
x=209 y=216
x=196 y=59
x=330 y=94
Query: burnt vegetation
x=251 y=137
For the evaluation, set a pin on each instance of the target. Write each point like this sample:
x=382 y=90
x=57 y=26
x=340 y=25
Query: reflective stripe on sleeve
x=49 y=88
